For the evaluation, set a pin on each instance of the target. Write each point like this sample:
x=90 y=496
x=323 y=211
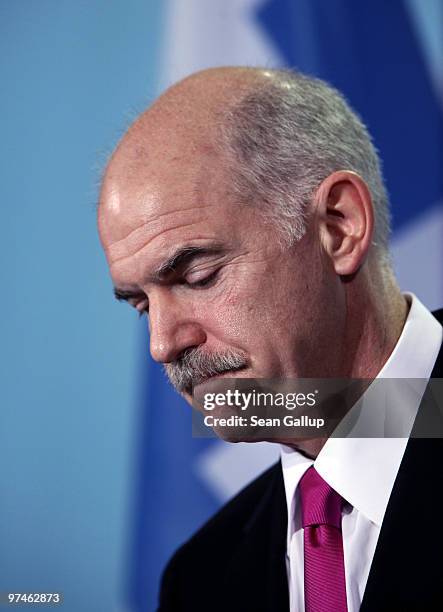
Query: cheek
x=231 y=316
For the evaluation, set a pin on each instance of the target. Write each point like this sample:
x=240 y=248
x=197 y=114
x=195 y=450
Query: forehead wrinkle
x=139 y=250
x=138 y=235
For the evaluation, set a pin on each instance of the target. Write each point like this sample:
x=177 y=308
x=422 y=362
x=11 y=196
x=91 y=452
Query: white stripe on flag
x=204 y=33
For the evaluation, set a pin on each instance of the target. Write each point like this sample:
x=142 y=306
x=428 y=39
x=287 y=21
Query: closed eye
x=201 y=283
x=205 y=282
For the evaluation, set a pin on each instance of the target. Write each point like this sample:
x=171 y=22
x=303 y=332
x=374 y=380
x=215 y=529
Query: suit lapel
x=257 y=572
x=407 y=570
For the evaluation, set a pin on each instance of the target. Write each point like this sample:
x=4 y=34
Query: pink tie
x=321 y=506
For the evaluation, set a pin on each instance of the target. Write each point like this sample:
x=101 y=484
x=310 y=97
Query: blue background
x=73 y=74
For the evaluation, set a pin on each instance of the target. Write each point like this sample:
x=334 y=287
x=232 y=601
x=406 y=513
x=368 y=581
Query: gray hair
x=285 y=137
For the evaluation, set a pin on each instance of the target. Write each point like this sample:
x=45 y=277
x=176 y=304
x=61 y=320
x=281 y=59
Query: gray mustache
x=195 y=366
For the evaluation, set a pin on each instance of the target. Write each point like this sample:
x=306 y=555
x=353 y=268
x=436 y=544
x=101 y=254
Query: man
x=245 y=213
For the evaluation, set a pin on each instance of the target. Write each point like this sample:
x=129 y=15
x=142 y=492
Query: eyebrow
x=122 y=295
x=182 y=256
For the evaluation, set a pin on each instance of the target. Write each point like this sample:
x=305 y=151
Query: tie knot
x=320 y=504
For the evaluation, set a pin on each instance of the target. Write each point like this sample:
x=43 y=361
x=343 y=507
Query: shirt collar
x=363 y=470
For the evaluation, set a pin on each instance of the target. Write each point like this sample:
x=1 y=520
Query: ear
x=345 y=220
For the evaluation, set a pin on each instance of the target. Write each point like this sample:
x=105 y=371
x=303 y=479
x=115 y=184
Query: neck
x=375 y=319
x=379 y=313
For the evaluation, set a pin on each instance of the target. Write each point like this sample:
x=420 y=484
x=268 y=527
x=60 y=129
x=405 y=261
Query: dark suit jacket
x=236 y=562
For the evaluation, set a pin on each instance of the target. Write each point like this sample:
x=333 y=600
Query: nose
x=172 y=330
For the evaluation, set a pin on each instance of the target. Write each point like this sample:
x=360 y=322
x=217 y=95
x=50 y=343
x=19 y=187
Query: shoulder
x=212 y=547
x=234 y=516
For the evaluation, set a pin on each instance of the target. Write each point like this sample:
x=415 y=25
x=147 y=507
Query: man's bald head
x=278 y=134
x=183 y=124
x=187 y=114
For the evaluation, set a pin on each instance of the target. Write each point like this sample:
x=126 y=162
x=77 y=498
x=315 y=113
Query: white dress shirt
x=363 y=469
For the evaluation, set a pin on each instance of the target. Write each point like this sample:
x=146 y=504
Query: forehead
x=150 y=207
x=133 y=195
